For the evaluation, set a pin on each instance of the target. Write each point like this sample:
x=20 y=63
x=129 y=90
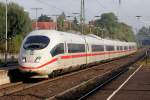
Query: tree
x=45 y=18
x=2 y=20
x=60 y=21
x=108 y=21
x=126 y=32
x=143 y=36
x=18 y=20
x=114 y=29
x=19 y=24
x=75 y=24
x=144 y=32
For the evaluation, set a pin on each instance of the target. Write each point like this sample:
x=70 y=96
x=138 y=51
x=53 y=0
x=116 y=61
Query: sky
x=126 y=11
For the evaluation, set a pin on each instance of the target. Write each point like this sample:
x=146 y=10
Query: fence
x=10 y=57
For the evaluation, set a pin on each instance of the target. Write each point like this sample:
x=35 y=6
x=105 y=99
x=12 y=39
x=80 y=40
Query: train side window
x=121 y=48
x=125 y=48
x=96 y=48
x=58 y=49
x=133 y=47
x=118 y=48
x=76 y=48
x=109 y=48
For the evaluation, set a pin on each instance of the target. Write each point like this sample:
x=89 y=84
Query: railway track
x=52 y=87
x=83 y=90
x=9 y=88
x=92 y=91
x=3 y=65
x=117 y=87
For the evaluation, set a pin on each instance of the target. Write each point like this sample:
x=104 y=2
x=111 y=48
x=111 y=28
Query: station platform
x=132 y=85
x=137 y=88
x=4 y=77
x=4 y=74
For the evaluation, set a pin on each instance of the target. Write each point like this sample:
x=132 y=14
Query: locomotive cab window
x=58 y=49
x=36 y=42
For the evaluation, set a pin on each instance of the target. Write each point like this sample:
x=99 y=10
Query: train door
x=69 y=60
x=67 y=57
x=88 y=53
x=62 y=51
x=105 y=57
x=105 y=54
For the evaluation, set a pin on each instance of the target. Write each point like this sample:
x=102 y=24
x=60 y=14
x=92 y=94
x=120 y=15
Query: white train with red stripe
x=49 y=51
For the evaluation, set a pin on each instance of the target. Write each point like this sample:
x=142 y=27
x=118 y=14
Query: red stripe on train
x=74 y=56
x=52 y=61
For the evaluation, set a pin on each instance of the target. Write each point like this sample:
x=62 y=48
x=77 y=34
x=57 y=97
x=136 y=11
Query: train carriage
x=48 y=51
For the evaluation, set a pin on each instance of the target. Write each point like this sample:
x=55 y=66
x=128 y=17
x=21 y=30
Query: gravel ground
x=59 y=85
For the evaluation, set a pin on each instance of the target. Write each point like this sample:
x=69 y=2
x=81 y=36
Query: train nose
x=31 y=59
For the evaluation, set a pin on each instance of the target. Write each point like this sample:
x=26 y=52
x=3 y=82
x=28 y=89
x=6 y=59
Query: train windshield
x=36 y=42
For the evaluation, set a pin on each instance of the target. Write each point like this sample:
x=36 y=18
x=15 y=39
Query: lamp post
x=56 y=16
x=90 y=28
x=36 y=11
x=76 y=14
x=97 y=16
x=138 y=18
x=70 y=26
x=6 y=44
x=119 y=2
x=82 y=16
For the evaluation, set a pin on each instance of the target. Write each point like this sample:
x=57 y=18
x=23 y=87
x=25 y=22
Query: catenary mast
x=82 y=16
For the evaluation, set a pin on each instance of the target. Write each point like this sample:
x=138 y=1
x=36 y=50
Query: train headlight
x=37 y=60
x=23 y=59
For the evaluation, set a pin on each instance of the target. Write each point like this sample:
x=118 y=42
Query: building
x=45 y=25
x=144 y=40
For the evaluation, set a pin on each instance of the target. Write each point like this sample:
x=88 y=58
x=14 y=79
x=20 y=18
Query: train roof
x=91 y=38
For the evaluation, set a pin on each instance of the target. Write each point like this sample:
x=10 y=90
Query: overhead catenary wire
x=62 y=10
x=101 y=5
x=49 y=5
x=52 y=6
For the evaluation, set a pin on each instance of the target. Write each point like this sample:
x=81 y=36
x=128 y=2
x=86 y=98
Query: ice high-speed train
x=49 y=51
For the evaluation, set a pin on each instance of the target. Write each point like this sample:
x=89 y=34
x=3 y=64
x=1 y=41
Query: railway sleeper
x=99 y=81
